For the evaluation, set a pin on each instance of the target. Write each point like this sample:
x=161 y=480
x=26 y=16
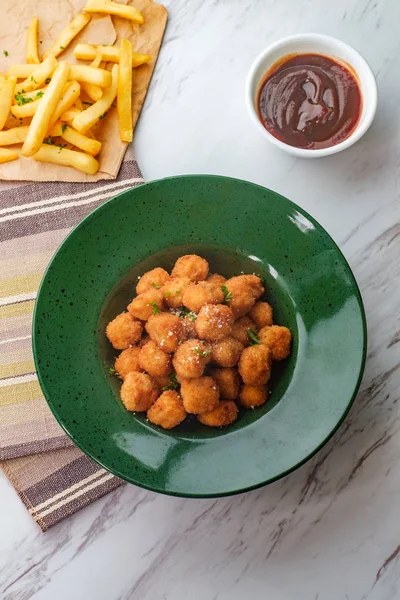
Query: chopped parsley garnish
x=39 y=94
x=22 y=99
x=155 y=285
x=62 y=47
x=202 y=352
x=47 y=81
x=177 y=291
x=174 y=383
x=156 y=310
x=61 y=147
x=185 y=312
x=64 y=127
x=103 y=115
x=5 y=52
x=253 y=337
x=111 y=371
x=33 y=79
x=49 y=140
x=227 y=294
x=167 y=294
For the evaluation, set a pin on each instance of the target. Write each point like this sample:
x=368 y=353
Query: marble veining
x=329 y=531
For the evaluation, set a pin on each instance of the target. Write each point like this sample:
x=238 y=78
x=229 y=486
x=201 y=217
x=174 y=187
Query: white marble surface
x=330 y=531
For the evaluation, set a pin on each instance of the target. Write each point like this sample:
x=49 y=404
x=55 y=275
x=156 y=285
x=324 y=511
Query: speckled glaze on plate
x=237 y=226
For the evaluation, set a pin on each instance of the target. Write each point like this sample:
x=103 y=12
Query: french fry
x=2 y=77
x=75 y=138
x=7 y=155
x=108 y=53
x=21 y=71
x=69 y=115
x=69 y=158
x=48 y=104
x=113 y=8
x=28 y=97
x=69 y=96
x=32 y=56
x=89 y=117
x=97 y=61
x=15 y=135
x=94 y=92
x=88 y=74
x=25 y=110
x=67 y=35
x=7 y=88
x=78 y=104
x=124 y=94
x=39 y=75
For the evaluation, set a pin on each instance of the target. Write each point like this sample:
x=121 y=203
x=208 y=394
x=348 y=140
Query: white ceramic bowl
x=315 y=43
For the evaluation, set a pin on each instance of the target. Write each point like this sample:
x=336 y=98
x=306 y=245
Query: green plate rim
x=358 y=295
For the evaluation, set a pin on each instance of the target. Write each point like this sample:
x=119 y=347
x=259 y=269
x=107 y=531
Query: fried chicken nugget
x=155 y=278
x=153 y=360
x=146 y=304
x=127 y=361
x=239 y=330
x=173 y=291
x=123 y=331
x=255 y=365
x=214 y=322
x=192 y=266
x=166 y=330
x=244 y=291
x=199 y=395
x=216 y=279
x=197 y=295
x=226 y=352
x=261 y=313
x=191 y=359
x=138 y=392
x=225 y=414
x=228 y=382
x=167 y=411
x=252 y=396
x=278 y=339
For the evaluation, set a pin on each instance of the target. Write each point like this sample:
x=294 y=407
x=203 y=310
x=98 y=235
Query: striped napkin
x=52 y=477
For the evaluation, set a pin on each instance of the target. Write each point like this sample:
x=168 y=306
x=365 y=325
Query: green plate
x=238 y=227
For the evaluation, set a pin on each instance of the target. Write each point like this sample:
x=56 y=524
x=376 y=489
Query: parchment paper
x=53 y=15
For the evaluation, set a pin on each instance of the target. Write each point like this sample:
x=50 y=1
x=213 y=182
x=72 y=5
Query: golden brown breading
x=239 y=330
x=127 y=361
x=155 y=278
x=191 y=358
x=192 y=266
x=277 y=339
x=255 y=365
x=197 y=295
x=253 y=395
x=228 y=382
x=139 y=391
x=146 y=304
x=214 y=322
x=261 y=313
x=222 y=416
x=166 y=330
x=167 y=411
x=199 y=395
x=226 y=352
x=153 y=360
x=123 y=331
x=244 y=291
